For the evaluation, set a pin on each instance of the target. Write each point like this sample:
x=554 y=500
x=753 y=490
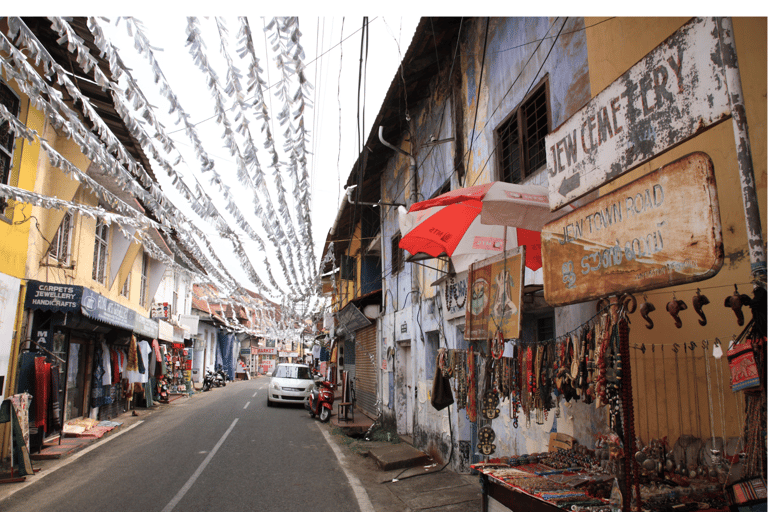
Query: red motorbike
x=320 y=401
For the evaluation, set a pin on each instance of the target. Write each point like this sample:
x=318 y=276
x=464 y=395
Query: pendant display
x=485 y=437
x=490 y=404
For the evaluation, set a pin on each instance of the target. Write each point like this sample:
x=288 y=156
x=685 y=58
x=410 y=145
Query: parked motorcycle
x=221 y=376
x=320 y=401
x=209 y=380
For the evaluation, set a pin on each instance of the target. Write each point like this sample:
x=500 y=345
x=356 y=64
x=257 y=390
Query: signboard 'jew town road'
x=673 y=93
x=660 y=230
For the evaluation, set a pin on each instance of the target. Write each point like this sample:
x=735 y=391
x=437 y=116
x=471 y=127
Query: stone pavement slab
x=396 y=456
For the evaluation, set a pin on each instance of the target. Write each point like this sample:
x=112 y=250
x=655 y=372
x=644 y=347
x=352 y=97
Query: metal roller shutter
x=365 y=369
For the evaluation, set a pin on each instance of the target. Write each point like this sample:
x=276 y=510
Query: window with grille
x=144 y=291
x=347 y=269
x=520 y=138
x=100 y=252
x=61 y=244
x=125 y=291
x=397 y=255
x=11 y=102
x=545 y=328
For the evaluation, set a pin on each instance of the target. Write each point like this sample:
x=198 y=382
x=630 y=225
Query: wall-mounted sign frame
x=495 y=293
x=673 y=93
x=658 y=231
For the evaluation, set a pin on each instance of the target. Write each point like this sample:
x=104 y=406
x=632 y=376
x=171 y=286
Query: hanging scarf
x=41 y=392
x=133 y=364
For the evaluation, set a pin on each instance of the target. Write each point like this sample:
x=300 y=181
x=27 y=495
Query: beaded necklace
x=471 y=386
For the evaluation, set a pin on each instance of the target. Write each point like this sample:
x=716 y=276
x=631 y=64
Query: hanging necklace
x=717 y=353
x=696 y=395
x=714 y=450
x=676 y=349
x=656 y=385
x=471 y=386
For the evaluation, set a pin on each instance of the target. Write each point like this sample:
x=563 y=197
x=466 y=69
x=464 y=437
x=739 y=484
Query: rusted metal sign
x=660 y=230
x=673 y=93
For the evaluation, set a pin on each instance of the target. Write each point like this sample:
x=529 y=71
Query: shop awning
x=145 y=327
x=100 y=308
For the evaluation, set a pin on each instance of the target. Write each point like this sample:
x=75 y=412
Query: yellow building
x=80 y=262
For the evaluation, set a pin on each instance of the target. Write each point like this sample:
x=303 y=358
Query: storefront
x=77 y=362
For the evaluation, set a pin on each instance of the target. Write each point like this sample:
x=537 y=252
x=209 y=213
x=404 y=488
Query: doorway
x=404 y=389
x=76 y=383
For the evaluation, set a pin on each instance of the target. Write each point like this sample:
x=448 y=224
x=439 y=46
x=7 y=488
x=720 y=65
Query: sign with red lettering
x=673 y=93
x=658 y=231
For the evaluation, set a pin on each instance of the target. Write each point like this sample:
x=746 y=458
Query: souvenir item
x=674 y=307
x=699 y=301
x=485 y=437
x=646 y=308
x=736 y=302
x=490 y=402
x=741 y=360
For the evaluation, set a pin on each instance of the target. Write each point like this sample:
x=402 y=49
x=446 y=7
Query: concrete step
x=397 y=456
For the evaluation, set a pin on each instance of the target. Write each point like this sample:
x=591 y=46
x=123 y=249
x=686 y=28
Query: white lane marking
x=187 y=486
x=246 y=405
x=362 y=496
x=254 y=395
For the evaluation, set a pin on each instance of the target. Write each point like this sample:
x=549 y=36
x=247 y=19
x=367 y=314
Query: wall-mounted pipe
x=414 y=180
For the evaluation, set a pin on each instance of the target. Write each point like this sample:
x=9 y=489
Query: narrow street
x=222 y=450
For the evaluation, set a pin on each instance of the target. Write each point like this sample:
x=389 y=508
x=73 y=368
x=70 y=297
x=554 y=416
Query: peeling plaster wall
x=505 y=82
x=508 y=77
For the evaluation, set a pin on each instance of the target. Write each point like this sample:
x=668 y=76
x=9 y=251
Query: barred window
x=520 y=138
x=397 y=255
x=100 y=252
x=144 y=290
x=348 y=267
x=125 y=291
x=61 y=245
x=11 y=102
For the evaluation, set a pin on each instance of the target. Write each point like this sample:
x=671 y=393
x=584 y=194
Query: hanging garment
x=156 y=348
x=115 y=359
x=55 y=405
x=107 y=364
x=41 y=393
x=140 y=358
x=145 y=350
x=99 y=392
x=133 y=363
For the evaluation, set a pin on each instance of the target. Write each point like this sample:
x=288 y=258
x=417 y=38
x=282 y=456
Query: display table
x=525 y=491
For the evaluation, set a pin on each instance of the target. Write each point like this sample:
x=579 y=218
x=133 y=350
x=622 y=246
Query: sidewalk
x=409 y=485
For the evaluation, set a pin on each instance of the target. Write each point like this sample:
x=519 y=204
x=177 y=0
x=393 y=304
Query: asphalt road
x=223 y=450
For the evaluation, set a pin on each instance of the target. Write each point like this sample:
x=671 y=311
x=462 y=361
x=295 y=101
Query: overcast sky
x=332 y=47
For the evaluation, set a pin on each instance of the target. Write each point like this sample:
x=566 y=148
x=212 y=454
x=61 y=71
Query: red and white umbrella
x=472 y=224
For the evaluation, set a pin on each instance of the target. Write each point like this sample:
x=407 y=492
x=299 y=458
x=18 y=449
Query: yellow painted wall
x=672 y=396
x=14 y=236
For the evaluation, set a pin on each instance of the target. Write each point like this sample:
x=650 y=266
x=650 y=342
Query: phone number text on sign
x=660 y=230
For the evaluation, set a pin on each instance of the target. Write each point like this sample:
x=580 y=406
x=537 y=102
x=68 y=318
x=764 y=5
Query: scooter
x=208 y=380
x=320 y=401
x=220 y=377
